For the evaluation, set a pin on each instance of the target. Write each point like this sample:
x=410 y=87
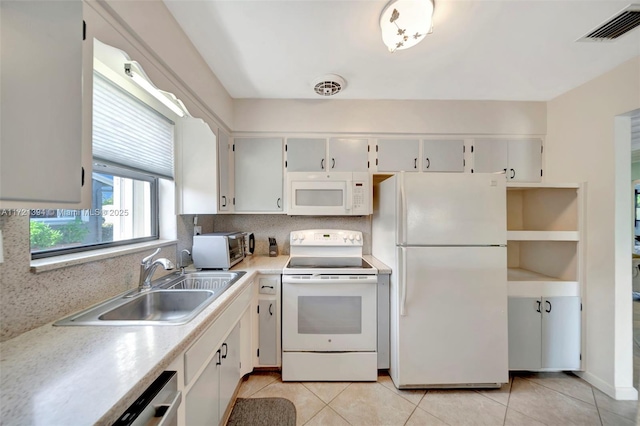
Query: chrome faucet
x=182 y=264
x=148 y=267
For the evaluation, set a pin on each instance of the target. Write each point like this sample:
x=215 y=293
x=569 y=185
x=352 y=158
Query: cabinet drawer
x=268 y=285
x=206 y=346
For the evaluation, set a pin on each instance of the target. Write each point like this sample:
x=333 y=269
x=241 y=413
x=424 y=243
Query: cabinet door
x=490 y=155
x=42 y=101
x=525 y=160
x=258 y=175
x=443 y=156
x=230 y=369
x=396 y=155
x=196 y=167
x=267 y=345
x=524 y=333
x=561 y=333
x=348 y=155
x=224 y=194
x=306 y=155
x=202 y=401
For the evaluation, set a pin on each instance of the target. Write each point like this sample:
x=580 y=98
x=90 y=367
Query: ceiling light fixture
x=404 y=23
x=140 y=78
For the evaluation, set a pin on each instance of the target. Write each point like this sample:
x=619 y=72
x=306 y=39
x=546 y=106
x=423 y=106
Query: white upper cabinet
x=443 y=155
x=41 y=75
x=258 y=174
x=348 y=155
x=224 y=186
x=398 y=155
x=520 y=159
x=306 y=154
x=196 y=172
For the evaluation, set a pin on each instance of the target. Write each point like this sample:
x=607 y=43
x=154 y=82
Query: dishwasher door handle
x=168 y=412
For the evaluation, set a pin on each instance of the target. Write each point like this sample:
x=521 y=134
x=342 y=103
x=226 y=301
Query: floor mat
x=262 y=412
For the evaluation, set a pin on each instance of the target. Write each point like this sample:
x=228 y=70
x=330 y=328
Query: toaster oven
x=218 y=250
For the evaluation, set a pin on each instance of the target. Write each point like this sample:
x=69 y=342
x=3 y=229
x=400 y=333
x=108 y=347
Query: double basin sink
x=173 y=300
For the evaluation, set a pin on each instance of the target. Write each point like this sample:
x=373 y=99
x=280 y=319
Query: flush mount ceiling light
x=404 y=23
x=135 y=71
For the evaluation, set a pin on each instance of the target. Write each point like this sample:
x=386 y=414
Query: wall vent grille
x=617 y=26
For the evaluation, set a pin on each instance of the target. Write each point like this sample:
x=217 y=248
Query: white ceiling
x=479 y=49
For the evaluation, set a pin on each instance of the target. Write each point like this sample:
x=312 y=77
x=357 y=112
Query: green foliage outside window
x=42 y=236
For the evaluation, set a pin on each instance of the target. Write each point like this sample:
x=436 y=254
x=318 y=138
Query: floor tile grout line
x=528 y=416
x=597 y=408
x=410 y=415
x=564 y=394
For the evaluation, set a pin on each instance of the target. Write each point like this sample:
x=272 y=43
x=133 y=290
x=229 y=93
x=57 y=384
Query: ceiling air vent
x=329 y=85
x=620 y=24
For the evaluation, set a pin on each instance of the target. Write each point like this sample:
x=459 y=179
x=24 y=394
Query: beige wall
x=581 y=146
x=363 y=116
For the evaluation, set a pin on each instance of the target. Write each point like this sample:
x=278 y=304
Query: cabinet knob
x=322 y=164
x=415 y=163
x=333 y=163
x=270 y=308
x=428 y=163
x=549 y=304
x=513 y=173
x=539 y=305
x=278 y=203
x=226 y=350
x=224 y=201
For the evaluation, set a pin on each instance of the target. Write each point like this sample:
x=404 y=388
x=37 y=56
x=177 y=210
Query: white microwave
x=329 y=194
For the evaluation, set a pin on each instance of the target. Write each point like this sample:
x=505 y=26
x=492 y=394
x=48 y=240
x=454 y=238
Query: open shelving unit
x=544 y=224
x=544 y=252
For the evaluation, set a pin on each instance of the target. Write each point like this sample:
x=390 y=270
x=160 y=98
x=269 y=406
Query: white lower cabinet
x=210 y=370
x=268 y=322
x=544 y=333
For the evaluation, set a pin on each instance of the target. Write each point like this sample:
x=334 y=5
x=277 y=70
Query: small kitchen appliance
x=218 y=250
x=329 y=193
x=249 y=243
x=329 y=309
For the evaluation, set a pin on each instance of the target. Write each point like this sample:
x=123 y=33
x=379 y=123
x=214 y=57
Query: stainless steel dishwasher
x=158 y=405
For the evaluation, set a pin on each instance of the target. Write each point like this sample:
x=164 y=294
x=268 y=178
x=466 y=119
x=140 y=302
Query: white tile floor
x=553 y=399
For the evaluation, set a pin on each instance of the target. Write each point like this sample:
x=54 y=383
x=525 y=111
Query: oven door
x=322 y=313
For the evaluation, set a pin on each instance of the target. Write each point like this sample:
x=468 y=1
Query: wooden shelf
x=543 y=235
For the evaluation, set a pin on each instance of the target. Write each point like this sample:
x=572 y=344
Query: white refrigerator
x=444 y=236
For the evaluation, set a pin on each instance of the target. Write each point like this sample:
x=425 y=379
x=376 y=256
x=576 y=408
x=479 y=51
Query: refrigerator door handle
x=403 y=282
x=402 y=214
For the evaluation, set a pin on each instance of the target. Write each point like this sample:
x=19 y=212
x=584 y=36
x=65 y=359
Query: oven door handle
x=329 y=279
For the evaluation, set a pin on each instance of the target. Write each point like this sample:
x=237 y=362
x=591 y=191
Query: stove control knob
x=294 y=236
x=357 y=237
x=301 y=237
x=351 y=237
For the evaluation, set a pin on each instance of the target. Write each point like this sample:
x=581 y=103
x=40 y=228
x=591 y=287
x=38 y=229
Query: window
x=132 y=149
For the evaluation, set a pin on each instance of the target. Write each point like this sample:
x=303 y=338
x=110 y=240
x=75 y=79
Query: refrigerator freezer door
x=452 y=209
x=454 y=327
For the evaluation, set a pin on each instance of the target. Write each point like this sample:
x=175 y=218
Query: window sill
x=57 y=262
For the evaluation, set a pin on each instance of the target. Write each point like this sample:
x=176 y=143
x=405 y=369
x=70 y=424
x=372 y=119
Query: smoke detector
x=329 y=85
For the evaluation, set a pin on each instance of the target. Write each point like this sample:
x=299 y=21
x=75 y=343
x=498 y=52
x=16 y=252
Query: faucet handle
x=147 y=260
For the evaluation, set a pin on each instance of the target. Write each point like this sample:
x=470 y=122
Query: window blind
x=129 y=133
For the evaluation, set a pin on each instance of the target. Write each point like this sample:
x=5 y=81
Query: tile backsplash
x=280 y=226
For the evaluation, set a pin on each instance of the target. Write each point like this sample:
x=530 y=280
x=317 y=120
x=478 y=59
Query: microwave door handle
x=349 y=203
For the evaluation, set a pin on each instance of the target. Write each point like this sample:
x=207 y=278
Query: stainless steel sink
x=161 y=305
x=173 y=300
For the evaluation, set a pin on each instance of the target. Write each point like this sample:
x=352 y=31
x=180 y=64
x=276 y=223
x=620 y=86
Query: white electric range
x=329 y=309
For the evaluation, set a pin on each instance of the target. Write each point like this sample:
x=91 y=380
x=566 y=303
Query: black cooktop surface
x=328 y=262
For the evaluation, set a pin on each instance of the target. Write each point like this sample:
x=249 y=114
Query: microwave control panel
x=361 y=193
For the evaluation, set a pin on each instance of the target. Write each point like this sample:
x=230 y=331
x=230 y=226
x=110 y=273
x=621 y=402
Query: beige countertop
x=82 y=375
